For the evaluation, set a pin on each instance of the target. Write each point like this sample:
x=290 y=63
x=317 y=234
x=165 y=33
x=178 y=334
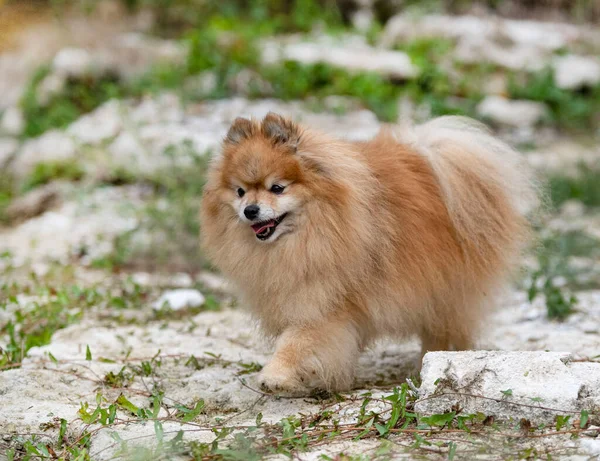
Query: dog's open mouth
x=266 y=229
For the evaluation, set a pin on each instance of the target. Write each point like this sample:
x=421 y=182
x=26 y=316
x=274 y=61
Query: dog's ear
x=281 y=130
x=240 y=129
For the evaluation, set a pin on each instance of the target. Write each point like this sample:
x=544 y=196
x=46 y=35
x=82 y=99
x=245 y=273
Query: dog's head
x=261 y=176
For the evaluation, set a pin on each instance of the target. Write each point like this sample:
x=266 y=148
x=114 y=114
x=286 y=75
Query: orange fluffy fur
x=410 y=233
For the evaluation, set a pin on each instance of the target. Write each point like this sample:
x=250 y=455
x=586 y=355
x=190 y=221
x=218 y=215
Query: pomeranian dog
x=333 y=244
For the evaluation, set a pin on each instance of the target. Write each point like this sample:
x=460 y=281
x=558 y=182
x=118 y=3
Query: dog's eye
x=240 y=192
x=277 y=189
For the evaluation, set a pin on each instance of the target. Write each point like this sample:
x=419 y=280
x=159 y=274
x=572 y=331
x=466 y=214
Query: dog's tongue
x=260 y=227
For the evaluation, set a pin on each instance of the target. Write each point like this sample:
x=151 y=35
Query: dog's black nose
x=251 y=211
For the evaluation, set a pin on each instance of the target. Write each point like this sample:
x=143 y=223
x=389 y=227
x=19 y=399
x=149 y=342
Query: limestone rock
x=99 y=125
x=180 y=299
x=511 y=112
x=12 y=121
x=352 y=54
x=510 y=43
x=8 y=146
x=52 y=85
x=572 y=72
x=52 y=146
x=34 y=203
x=73 y=62
x=533 y=385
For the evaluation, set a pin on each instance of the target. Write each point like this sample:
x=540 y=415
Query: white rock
x=90 y=223
x=127 y=151
x=180 y=279
x=572 y=71
x=34 y=202
x=515 y=57
x=131 y=54
x=509 y=43
x=12 y=121
x=213 y=282
x=592 y=431
x=53 y=84
x=180 y=299
x=8 y=146
x=103 y=123
x=541 y=384
x=548 y=36
x=511 y=112
x=354 y=56
x=52 y=146
x=362 y=20
x=202 y=84
x=591 y=447
x=164 y=108
x=247 y=81
x=73 y=62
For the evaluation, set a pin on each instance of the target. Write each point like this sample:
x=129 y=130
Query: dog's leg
x=434 y=342
x=320 y=356
x=458 y=341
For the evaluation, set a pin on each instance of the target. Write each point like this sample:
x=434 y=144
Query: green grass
x=555 y=251
x=280 y=16
x=295 y=81
x=7 y=189
x=573 y=110
x=554 y=263
x=46 y=172
x=79 y=96
x=224 y=41
x=584 y=187
x=170 y=221
x=55 y=307
x=387 y=422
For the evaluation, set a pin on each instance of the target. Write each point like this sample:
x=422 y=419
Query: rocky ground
x=118 y=341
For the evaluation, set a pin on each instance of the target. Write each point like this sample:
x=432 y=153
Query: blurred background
x=109 y=110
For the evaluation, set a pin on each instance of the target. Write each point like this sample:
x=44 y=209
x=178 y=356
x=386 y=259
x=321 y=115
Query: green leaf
x=86 y=417
x=88 y=353
x=507 y=392
x=451 y=450
x=52 y=357
x=259 y=418
x=112 y=413
x=31 y=449
x=562 y=421
x=189 y=414
x=583 y=420
x=383 y=430
x=461 y=420
x=419 y=440
x=439 y=420
x=177 y=439
x=158 y=430
x=156 y=403
x=127 y=405
x=104 y=417
x=62 y=432
x=367 y=429
x=44 y=450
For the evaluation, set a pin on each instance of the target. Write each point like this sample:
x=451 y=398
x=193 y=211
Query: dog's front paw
x=282 y=380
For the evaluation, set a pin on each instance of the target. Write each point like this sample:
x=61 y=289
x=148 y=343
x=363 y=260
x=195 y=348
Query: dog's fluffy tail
x=487 y=186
